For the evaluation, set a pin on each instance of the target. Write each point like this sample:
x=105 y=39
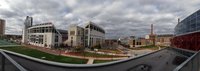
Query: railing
x=8 y=64
x=191 y=64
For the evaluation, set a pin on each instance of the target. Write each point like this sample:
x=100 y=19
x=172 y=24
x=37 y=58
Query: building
x=187 y=33
x=76 y=36
x=124 y=41
x=91 y=35
x=43 y=35
x=2 y=27
x=28 y=23
x=163 y=40
x=140 y=42
x=131 y=41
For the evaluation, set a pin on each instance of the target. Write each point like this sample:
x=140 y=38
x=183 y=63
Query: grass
x=46 y=56
x=101 y=61
x=88 y=54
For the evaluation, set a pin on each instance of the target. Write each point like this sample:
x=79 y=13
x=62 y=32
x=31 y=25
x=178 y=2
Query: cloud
x=117 y=17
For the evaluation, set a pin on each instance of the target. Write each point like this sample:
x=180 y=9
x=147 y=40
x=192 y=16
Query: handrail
x=13 y=62
x=78 y=65
x=185 y=62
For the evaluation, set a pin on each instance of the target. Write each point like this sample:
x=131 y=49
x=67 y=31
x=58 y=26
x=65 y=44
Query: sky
x=117 y=17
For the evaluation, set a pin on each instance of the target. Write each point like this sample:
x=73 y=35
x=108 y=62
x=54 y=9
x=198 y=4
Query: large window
x=41 y=39
x=72 y=32
x=56 y=39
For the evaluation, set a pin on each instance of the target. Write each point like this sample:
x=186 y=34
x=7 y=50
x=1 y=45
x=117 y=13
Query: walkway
x=90 y=61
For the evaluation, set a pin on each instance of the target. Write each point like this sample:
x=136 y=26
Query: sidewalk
x=90 y=61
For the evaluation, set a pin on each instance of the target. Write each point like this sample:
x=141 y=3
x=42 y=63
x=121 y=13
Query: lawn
x=101 y=61
x=46 y=56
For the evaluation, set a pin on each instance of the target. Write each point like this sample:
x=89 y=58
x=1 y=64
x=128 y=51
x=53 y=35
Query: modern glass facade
x=189 y=24
x=187 y=33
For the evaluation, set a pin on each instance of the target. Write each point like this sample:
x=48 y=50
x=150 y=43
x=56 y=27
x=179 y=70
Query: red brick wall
x=189 y=41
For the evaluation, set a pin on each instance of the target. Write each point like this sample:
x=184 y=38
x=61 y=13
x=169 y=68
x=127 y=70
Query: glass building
x=187 y=33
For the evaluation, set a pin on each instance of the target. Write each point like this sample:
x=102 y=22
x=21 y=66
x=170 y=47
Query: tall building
x=28 y=23
x=43 y=35
x=187 y=33
x=2 y=27
x=90 y=36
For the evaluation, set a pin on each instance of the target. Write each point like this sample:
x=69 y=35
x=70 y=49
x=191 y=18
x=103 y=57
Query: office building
x=91 y=35
x=187 y=33
x=43 y=35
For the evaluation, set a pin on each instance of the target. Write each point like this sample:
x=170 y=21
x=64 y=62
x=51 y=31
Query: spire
x=151 y=29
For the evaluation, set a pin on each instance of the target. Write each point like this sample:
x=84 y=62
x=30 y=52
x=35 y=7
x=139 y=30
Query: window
x=78 y=32
x=72 y=32
x=41 y=39
x=56 y=39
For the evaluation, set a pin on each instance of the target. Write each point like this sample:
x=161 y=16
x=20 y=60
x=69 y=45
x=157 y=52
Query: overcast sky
x=117 y=17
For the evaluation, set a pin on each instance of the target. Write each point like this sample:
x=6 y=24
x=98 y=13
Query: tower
x=28 y=23
x=2 y=27
x=152 y=36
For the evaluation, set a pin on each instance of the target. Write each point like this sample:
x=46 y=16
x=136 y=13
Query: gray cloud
x=118 y=17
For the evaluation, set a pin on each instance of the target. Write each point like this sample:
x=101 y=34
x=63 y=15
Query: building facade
x=2 y=27
x=140 y=42
x=76 y=36
x=131 y=41
x=90 y=35
x=43 y=35
x=163 y=40
x=187 y=33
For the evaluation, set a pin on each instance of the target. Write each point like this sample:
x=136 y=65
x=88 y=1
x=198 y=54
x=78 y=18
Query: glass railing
x=8 y=64
x=191 y=64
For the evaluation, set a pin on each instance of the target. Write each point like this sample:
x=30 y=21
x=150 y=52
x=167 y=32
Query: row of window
x=42 y=30
x=190 y=24
x=36 y=39
x=92 y=27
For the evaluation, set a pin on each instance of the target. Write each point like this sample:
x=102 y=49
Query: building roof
x=47 y=23
x=91 y=23
x=62 y=31
x=165 y=35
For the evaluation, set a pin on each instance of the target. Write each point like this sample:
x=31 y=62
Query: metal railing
x=8 y=64
x=191 y=64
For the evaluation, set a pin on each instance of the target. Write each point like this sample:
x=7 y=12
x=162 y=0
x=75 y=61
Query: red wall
x=189 y=41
